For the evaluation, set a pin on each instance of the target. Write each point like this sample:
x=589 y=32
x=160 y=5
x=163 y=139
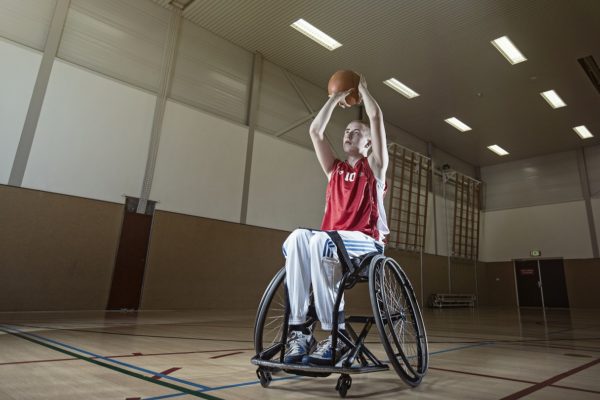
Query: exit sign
x=535 y=253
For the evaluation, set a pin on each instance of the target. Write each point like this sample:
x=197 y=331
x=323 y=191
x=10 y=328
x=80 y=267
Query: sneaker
x=298 y=345
x=323 y=354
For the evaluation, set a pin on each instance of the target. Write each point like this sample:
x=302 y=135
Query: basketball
x=343 y=80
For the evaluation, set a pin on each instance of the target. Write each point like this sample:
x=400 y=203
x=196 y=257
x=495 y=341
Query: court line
x=97 y=356
x=168 y=396
x=511 y=379
x=550 y=381
x=166 y=372
x=227 y=355
x=250 y=383
x=182 y=389
x=125 y=356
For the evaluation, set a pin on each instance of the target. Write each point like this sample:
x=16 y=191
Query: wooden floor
x=475 y=354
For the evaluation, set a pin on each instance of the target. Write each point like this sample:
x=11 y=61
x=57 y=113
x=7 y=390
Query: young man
x=354 y=208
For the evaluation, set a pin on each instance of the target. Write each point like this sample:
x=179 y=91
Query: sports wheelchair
x=395 y=312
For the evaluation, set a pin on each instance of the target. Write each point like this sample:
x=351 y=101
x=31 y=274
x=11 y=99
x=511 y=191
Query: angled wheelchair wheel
x=398 y=320
x=270 y=319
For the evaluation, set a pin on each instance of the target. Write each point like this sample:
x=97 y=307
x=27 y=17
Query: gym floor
x=483 y=353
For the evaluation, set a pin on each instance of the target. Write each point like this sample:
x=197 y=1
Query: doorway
x=541 y=283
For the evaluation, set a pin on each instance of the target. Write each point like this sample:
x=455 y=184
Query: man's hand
x=340 y=97
x=371 y=107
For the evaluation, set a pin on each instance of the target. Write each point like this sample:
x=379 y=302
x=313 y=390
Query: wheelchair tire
x=398 y=320
x=271 y=314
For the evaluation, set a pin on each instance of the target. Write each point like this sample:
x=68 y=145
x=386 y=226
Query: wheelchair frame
x=358 y=359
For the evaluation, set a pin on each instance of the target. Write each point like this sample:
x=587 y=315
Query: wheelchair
x=395 y=313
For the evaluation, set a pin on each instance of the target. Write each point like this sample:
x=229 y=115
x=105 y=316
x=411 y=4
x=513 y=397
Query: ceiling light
x=498 y=150
x=401 y=88
x=508 y=50
x=553 y=99
x=583 y=132
x=315 y=34
x=455 y=122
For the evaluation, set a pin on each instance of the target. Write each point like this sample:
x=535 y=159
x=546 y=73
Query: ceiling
x=442 y=50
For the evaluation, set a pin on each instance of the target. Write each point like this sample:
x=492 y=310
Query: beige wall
x=57 y=252
x=197 y=262
x=582 y=277
x=498 y=284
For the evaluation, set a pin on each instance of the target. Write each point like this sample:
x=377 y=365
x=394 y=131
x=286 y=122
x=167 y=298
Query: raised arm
x=317 y=132
x=379 y=156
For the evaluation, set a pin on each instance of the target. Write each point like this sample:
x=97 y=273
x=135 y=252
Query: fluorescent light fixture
x=401 y=88
x=583 y=132
x=508 y=50
x=455 y=122
x=553 y=99
x=498 y=150
x=315 y=34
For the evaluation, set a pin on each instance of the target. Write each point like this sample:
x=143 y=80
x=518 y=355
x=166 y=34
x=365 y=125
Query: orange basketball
x=343 y=80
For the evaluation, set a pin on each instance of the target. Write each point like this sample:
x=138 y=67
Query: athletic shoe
x=298 y=345
x=323 y=354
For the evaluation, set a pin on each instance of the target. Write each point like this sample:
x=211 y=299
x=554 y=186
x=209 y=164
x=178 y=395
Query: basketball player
x=354 y=208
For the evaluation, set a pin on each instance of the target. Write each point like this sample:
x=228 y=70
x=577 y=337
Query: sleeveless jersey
x=354 y=200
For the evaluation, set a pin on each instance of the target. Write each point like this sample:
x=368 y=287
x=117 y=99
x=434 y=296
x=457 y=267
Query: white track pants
x=311 y=257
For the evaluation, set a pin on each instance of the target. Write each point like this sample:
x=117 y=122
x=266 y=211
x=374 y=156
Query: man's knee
x=320 y=244
x=299 y=238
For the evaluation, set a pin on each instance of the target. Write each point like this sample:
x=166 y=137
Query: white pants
x=311 y=257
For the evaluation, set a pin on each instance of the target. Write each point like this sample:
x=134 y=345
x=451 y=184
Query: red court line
x=572 y=388
x=166 y=372
x=482 y=375
x=548 y=382
x=226 y=355
x=511 y=379
x=121 y=356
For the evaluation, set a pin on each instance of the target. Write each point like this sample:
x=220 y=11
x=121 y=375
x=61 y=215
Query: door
x=553 y=283
x=128 y=275
x=528 y=287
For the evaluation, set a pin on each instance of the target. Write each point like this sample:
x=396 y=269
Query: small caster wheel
x=264 y=376
x=344 y=383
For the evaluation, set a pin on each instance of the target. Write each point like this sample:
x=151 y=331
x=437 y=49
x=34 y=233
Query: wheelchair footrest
x=318 y=370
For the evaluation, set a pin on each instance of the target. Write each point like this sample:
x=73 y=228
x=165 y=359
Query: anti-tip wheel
x=264 y=376
x=344 y=383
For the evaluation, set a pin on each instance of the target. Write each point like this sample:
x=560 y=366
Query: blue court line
x=131 y=366
x=169 y=396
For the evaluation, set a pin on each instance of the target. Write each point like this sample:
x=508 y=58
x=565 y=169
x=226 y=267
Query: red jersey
x=354 y=200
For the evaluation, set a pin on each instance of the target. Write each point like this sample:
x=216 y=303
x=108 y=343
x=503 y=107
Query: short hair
x=366 y=127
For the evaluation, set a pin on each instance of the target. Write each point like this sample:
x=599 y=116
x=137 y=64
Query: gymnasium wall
x=91 y=145
x=57 y=252
x=538 y=204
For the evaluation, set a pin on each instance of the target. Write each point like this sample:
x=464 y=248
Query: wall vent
x=591 y=69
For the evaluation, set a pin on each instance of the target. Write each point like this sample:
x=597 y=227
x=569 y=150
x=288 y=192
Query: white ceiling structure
x=442 y=50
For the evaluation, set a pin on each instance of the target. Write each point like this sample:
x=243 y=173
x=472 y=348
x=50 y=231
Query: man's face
x=355 y=139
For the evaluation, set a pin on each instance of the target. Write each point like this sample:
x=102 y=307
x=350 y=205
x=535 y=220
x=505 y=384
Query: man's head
x=357 y=138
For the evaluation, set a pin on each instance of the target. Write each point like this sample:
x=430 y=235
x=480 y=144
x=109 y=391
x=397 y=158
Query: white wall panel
x=287 y=185
x=592 y=159
x=547 y=179
x=279 y=105
x=440 y=158
x=558 y=230
x=92 y=136
x=123 y=39
x=404 y=139
x=26 y=21
x=18 y=72
x=200 y=164
x=212 y=73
